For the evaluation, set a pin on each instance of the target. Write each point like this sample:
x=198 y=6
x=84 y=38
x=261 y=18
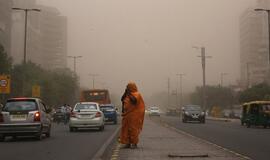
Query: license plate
x=87 y=116
x=19 y=117
x=106 y=119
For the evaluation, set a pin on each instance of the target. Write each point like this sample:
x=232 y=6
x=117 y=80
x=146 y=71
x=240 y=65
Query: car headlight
x=202 y=113
x=186 y=113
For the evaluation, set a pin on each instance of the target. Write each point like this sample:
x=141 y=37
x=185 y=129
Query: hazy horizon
x=147 y=41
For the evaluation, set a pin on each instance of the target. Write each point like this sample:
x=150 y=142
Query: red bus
x=100 y=96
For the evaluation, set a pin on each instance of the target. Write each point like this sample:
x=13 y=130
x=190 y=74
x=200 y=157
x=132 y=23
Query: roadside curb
x=219 y=119
x=100 y=153
x=165 y=124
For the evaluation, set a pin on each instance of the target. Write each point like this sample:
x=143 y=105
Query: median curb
x=220 y=119
x=104 y=149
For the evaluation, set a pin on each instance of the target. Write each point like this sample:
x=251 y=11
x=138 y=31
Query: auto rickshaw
x=256 y=113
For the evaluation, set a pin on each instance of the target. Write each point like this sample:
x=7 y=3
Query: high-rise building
x=5 y=24
x=254 y=50
x=46 y=43
x=53 y=38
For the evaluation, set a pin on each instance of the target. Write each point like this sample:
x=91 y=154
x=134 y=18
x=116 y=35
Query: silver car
x=25 y=116
x=154 y=111
x=86 y=115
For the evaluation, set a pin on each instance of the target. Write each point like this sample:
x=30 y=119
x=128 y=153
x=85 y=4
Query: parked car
x=25 y=116
x=86 y=115
x=109 y=112
x=193 y=113
x=154 y=111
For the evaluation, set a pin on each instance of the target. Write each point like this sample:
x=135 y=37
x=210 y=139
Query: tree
x=215 y=96
x=255 y=93
x=57 y=86
x=6 y=62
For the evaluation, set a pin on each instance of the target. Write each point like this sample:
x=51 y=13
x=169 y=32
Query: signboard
x=35 y=91
x=4 y=84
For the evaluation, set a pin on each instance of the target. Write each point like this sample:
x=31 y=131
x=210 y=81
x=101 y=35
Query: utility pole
x=168 y=92
x=74 y=62
x=181 y=90
x=203 y=59
x=248 y=75
x=26 y=10
x=94 y=76
x=221 y=78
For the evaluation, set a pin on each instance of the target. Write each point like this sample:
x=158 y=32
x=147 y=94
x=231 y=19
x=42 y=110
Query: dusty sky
x=147 y=41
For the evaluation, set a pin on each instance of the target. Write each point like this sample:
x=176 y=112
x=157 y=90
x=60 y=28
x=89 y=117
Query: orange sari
x=133 y=117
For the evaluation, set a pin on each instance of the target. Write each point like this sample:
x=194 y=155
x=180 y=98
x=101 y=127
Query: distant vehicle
x=62 y=114
x=154 y=111
x=193 y=113
x=86 y=115
x=110 y=113
x=100 y=96
x=256 y=113
x=25 y=117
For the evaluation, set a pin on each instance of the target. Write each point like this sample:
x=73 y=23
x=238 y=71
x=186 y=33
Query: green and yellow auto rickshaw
x=256 y=113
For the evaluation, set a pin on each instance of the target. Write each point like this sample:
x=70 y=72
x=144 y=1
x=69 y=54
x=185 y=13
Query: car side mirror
x=48 y=110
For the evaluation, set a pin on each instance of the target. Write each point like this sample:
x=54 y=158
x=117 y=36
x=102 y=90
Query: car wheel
x=101 y=128
x=48 y=133
x=2 y=138
x=184 y=121
x=71 y=129
x=248 y=124
x=115 y=122
x=39 y=136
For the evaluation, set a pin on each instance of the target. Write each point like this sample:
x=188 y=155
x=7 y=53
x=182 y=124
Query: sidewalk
x=161 y=142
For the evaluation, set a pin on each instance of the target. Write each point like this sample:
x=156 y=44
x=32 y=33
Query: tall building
x=53 y=38
x=254 y=47
x=46 y=36
x=5 y=24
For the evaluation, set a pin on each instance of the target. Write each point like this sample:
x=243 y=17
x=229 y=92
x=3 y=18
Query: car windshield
x=192 y=108
x=86 y=107
x=20 y=106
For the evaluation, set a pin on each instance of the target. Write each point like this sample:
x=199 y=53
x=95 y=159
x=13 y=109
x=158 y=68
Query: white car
x=154 y=111
x=86 y=115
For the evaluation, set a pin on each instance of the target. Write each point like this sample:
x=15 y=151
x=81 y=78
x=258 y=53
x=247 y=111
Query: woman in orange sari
x=132 y=116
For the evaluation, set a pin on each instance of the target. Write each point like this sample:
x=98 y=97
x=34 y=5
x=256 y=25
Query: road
x=253 y=142
x=62 y=145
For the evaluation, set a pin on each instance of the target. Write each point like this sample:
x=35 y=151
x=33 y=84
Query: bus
x=100 y=96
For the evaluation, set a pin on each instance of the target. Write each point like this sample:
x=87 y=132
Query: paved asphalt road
x=253 y=142
x=62 y=145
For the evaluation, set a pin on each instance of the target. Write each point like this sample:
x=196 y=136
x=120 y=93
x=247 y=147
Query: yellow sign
x=4 y=84
x=35 y=91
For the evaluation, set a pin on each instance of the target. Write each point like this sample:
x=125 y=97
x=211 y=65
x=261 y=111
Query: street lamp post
x=268 y=13
x=181 y=89
x=74 y=62
x=94 y=76
x=26 y=10
x=221 y=78
x=203 y=61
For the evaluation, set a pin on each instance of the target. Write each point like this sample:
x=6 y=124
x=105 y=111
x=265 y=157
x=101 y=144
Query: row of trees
x=57 y=86
x=227 y=97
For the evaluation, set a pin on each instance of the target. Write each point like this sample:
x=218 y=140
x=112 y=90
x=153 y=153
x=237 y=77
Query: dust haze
x=149 y=41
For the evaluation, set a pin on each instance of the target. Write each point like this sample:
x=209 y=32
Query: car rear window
x=106 y=107
x=86 y=107
x=22 y=105
x=192 y=108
